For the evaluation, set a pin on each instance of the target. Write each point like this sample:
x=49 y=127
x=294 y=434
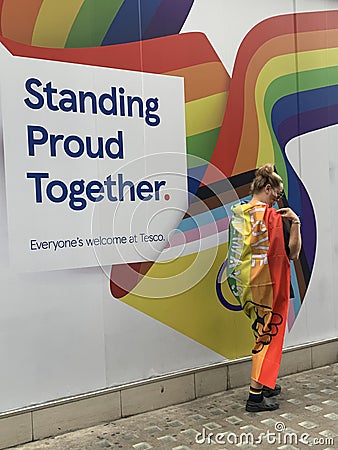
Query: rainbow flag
x=258 y=273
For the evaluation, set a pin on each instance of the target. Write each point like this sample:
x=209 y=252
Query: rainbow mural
x=90 y=23
x=282 y=86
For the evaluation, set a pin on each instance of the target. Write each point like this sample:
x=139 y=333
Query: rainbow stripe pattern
x=258 y=274
x=283 y=85
x=90 y=23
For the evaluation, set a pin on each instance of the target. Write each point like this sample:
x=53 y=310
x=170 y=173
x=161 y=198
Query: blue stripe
x=207 y=217
x=125 y=27
x=195 y=176
x=296 y=301
x=300 y=102
x=148 y=10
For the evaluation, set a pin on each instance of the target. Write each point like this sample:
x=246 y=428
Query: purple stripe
x=169 y=18
x=199 y=233
x=308 y=121
x=296 y=126
x=308 y=228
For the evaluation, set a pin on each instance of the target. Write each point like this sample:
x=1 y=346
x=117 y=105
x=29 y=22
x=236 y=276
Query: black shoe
x=269 y=392
x=267 y=404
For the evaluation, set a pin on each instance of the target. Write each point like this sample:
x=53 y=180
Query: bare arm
x=295 y=240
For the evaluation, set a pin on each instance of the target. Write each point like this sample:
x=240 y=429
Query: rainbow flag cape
x=258 y=274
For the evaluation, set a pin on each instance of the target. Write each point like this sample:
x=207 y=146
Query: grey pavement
x=307 y=418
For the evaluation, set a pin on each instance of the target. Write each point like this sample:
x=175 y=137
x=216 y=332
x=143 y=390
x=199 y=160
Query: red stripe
x=225 y=153
x=155 y=55
x=279 y=267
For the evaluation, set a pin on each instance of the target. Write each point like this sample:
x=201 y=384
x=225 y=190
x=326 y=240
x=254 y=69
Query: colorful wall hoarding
x=267 y=105
x=90 y=136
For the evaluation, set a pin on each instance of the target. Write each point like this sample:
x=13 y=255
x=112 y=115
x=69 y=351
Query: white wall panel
x=139 y=347
x=62 y=333
x=317 y=318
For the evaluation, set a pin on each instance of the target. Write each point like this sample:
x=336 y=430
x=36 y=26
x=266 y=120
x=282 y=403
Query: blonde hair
x=265 y=175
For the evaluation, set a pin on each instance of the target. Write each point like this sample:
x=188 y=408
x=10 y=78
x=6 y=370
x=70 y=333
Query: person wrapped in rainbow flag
x=261 y=244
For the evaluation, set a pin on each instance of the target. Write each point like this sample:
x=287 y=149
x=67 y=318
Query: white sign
x=95 y=163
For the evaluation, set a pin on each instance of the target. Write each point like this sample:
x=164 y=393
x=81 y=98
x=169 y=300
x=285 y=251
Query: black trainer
x=267 y=404
x=269 y=392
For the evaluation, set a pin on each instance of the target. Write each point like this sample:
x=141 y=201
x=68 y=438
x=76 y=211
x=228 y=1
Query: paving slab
x=307 y=418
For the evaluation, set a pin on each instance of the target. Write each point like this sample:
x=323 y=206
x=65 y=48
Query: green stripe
x=92 y=23
x=279 y=88
x=290 y=84
x=202 y=145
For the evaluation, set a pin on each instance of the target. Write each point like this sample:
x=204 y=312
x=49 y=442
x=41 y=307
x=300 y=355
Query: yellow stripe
x=178 y=294
x=205 y=114
x=54 y=22
x=278 y=67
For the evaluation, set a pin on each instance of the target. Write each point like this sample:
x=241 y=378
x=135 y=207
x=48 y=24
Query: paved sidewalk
x=307 y=418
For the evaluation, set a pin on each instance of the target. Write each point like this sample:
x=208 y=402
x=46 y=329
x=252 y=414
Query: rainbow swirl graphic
x=90 y=23
x=283 y=85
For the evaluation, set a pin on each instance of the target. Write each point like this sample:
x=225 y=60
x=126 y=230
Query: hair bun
x=265 y=175
x=265 y=171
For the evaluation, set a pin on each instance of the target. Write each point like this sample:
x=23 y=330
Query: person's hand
x=287 y=213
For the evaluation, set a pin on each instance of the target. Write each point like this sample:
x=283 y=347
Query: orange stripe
x=18 y=19
x=203 y=80
x=274 y=47
x=260 y=278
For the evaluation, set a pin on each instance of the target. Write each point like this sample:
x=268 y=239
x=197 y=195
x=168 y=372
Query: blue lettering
x=74 y=146
x=71 y=101
x=131 y=101
x=78 y=142
x=122 y=184
x=76 y=189
x=144 y=187
x=79 y=193
x=95 y=187
x=32 y=140
x=152 y=106
x=53 y=140
x=158 y=185
x=64 y=191
x=111 y=103
x=28 y=85
x=99 y=152
x=110 y=183
x=122 y=106
x=38 y=177
x=50 y=91
x=119 y=142
x=112 y=100
x=82 y=101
